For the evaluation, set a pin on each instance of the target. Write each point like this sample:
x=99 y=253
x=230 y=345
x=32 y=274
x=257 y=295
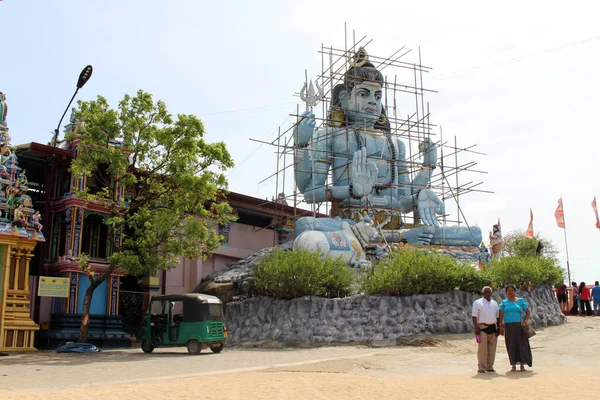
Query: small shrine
x=20 y=231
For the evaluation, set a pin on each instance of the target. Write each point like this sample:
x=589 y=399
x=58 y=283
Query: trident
x=309 y=96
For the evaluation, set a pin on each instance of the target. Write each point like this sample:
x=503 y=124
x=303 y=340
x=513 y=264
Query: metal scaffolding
x=410 y=119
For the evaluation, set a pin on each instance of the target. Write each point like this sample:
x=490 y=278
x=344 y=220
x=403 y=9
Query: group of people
x=581 y=299
x=509 y=319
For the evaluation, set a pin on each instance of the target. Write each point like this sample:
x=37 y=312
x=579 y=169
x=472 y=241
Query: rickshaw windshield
x=195 y=312
x=159 y=307
x=215 y=312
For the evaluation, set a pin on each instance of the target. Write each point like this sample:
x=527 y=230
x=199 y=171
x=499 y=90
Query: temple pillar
x=17 y=330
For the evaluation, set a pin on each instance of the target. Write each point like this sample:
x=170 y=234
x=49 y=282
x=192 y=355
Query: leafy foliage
x=526 y=272
x=413 y=271
x=169 y=174
x=290 y=274
x=516 y=244
x=407 y=271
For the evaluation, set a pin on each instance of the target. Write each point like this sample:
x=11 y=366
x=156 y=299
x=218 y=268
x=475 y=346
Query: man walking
x=596 y=298
x=485 y=321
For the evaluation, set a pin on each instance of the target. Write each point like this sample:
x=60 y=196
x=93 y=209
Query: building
x=72 y=227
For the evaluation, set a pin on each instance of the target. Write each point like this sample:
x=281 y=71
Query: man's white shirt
x=485 y=311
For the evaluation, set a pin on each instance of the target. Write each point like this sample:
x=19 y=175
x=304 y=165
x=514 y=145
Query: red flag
x=596 y=212
x=559 y=214
x=529 y=232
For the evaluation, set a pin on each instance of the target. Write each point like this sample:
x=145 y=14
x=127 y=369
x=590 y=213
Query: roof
x=238 y=199
x=202 y=298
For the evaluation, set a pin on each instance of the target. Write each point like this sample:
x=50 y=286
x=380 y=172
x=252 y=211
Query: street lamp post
x=84 y=76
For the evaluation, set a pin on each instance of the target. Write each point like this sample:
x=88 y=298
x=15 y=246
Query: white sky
x=518 y=78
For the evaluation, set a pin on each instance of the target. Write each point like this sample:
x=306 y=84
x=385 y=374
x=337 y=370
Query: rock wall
x=367 y=319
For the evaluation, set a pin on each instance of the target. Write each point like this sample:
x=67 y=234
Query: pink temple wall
x=244 y=240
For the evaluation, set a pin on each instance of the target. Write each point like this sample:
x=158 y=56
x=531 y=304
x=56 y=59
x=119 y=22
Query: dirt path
x=566 y=358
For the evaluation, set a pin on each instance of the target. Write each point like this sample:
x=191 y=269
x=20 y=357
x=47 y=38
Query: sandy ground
x=566 y=360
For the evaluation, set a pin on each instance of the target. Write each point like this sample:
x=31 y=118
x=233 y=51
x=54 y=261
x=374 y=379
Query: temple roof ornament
x=17 y=216
x=3 y=110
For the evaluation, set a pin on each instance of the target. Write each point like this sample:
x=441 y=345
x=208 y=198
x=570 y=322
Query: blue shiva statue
x=369 y=170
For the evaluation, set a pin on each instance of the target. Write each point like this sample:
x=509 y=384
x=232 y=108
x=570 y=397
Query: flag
x=559 y=214
x=596 y=212
x=529 y=232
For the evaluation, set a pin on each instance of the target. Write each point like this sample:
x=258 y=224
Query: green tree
x=516 y=244
x=172 y=180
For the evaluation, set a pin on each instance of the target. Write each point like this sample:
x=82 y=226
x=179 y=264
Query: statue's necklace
x=392 y=157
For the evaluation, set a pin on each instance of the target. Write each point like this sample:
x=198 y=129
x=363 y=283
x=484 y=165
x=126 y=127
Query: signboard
x=52 y=286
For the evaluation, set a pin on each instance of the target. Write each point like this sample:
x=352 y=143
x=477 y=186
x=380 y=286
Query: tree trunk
x=85 y=312
x=87 y=302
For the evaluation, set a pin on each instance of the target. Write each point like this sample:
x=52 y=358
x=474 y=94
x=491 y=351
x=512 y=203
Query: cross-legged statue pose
x=367 y=168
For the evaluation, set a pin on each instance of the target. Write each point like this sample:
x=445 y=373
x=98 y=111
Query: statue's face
x=364 y=102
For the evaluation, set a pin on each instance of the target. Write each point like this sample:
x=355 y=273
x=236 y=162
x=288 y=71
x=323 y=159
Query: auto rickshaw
x=193 y=320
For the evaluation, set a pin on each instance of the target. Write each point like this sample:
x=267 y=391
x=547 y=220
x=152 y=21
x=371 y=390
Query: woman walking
x=514 y=315
x=584 y=300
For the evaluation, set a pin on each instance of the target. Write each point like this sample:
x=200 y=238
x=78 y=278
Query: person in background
x=584 y=300
x=561 y=295
x=514 y=312
x=575 y=308
x=485 y=315
x=596 y=298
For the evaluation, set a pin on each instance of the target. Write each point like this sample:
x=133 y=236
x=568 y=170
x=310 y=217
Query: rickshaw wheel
x=146 y=348
x=193 y=347
x=217 y=349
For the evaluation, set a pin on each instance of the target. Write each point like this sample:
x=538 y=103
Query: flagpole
x=566 y=245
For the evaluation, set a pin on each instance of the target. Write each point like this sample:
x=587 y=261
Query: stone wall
x=367 y=319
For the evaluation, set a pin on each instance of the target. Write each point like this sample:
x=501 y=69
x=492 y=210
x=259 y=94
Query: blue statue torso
x=382 y=151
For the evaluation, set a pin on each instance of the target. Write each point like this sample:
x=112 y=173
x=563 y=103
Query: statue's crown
x=359 y=58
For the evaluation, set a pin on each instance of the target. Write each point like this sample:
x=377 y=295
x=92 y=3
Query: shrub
x=413 y=271
x=290 y=274
x=527 y=272
x=471 y=280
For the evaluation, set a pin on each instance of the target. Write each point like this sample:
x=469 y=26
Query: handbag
x=527 y=331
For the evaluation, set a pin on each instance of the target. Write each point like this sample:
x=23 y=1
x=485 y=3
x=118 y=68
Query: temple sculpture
x=3 y=110
x=18 y=239
x=355 y=163
x=496 y=241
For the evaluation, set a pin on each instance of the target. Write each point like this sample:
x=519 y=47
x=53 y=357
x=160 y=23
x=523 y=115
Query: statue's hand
x=364 y=174
x=429 y=205
x=304 y=129
x=429 y=151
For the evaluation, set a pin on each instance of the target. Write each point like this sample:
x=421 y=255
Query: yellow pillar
x=17 y=330
x=17 y=256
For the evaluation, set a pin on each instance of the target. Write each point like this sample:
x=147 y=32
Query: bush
x=413 y=271
x=527 y=272
x=290 y=274
x=407 y=271
x=471 y=280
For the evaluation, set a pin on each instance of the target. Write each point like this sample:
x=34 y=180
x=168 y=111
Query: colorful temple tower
x=20 y=231
x=74 y=227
